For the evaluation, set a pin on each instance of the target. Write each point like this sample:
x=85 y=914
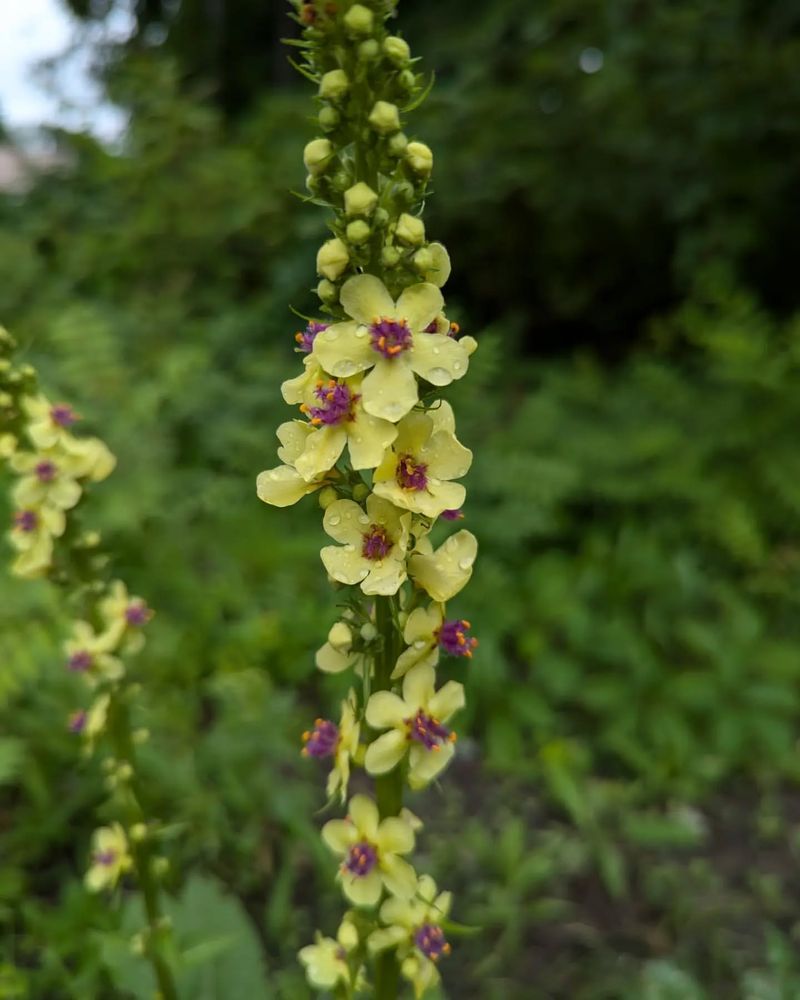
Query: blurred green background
x=619 y=188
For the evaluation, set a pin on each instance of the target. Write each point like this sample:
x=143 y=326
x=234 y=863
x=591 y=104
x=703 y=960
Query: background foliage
x=624 y=820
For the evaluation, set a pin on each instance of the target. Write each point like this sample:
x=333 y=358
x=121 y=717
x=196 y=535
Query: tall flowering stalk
x=53 y=469
x=378 y=443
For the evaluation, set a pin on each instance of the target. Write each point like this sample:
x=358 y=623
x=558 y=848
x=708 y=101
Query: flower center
x=361 y=859
x=26 y=520
x=431 y=942
x=63 y=415
x=80 y=661
x=410 y=474
x=390 y=337
x=77 y=721
x=338 y=404
x=137 y=613
x=452 y=515
x=453 y=638
x=105 y=858
x=377 y=543
x=45 y=471
x=322 y=740
x=424 y=729
x=305 y=339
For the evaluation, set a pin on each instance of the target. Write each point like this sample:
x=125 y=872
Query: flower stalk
x=376 y=440
x=54 y=471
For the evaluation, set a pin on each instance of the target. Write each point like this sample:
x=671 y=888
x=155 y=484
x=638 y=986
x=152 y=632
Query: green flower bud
x=358 y=20
x=407 y=80
x=384 y=118
x=160 y=868
x=410 y=230
x=328 y=292
x=358 y=232
x=317 y=155
x=369 y=50
x=138 y=832
x=327 y=496
x=420 y=158
x=332 y=259
x=397 y=50
x=403 y=193
x=341 y=180
x=380 y=218
x=368 y=632
x=124 y=772
x=328 y=118
x=334 y=85
x=360 y=199
x=312 y=184
x=397 y=144
x=360 y=491
x=423 y=260
x=390 y=256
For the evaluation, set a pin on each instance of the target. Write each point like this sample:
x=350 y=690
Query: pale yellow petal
x=362 y=890
x=344 y=349
x=446 y=457
x=447 y=570
x=385 y=578
x=399 y=876
x=321 y=453
x=418 y=686
x=419 y=304
x=395 y=836
x=343 y=566
x=339 y=835
x=368 y=437
x=364 y=814
x=344 y=522
x=385 y=937
x=386 y=709
x=424 y=765
x=390 y=389
x=282 y=486
x=386 y=752
x=422 y=624
x=417 y=653
x=448 y=700
x=438 y=358
x=365 y=298
x=292 y=435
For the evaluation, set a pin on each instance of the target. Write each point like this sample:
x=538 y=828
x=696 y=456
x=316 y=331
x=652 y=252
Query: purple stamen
x=431 y=942
x=390 y=337
x=424 y=729
x=377 y=543
x=80 y=661
x=105 y=858
x=26 y=520
x=338 y=404
x=322 y=740
x=453 y=639
x=305 y=340
x=77 y=721
x=63 y=415
x=45 y=471
x=137 y=613
x=410 y=474
x=361 y=859
x=452 y=515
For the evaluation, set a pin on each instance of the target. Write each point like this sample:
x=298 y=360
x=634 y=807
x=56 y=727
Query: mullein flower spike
x=54 y=467
x=378 y=443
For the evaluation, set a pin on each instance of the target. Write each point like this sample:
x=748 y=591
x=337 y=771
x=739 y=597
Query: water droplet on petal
x=363 y=574
x=340 y=577
x=419 y=644
x=349 y=548
x=439 y=376
x=363 y=518
x=434 y=482
x=456 y=366
x=334 y=520
x=361 y=331
x=331 y=333
x=437 y=350
x=464 y=564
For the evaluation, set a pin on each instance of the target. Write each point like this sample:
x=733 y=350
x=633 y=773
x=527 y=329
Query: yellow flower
x=370 y=849
x=340 y=742
x=45 y=478
x=414 y=928
x=32 y=536
x=336 y=654
x=49 y=423
x=389 y=337
x=326 y=959
x=8 y=445
x=110 y=858
x=284 y=486
x=415 y=725
x=415 y=473
x=374 y=544
x=336 y=411
x=89 y=653
x=94 y=721
x=446 y=571
x=125 y=616
x=427 y=632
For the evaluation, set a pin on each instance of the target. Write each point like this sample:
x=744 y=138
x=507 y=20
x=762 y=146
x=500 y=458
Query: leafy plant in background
x=53 y=469
x=379 y=445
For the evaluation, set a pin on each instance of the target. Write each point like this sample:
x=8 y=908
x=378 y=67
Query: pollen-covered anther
x=80 y=661
x=410 y=474
x=305 y=338
x=322 y=740
x=26 y=520
x=45 y=471
x=361 y=859
x=390 y=337
x=453 y=639
x=431 y=942
x=377 y=544
x=337 y=404
x=63 y=415
x=137 y=614
x=425 y=729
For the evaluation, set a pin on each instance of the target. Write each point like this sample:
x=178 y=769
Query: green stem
x=141 y=853
x=388 y=787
